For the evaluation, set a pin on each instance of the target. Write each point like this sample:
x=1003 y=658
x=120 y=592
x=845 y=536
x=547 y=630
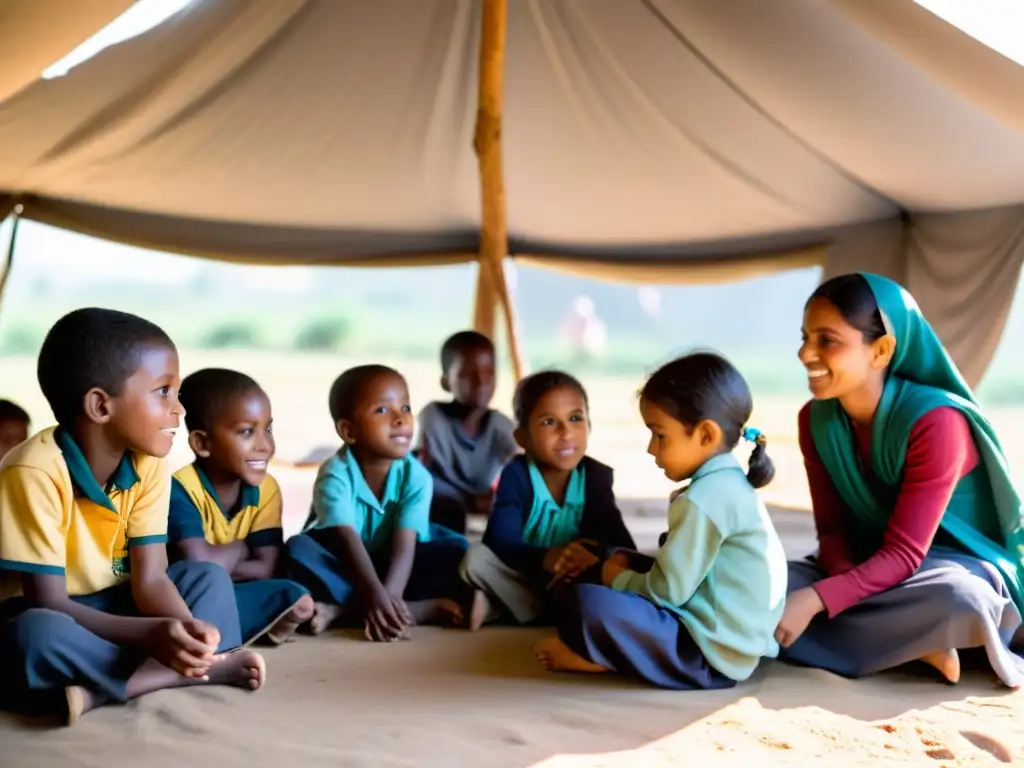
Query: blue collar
x=82 y=478
x=717 y=463
x=367 y=496
x=249 y=496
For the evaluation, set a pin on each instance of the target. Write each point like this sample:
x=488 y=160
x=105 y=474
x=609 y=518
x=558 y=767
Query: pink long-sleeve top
x=940 y=451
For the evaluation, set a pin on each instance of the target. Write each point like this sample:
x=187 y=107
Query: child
x=226 y=509
x=703 y=612
x=14 y=424
x=464 y=443
x=91 y=613
x=368 y=548
x=555 y=513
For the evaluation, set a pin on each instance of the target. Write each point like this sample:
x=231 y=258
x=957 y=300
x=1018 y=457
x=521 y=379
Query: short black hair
x=532 y=388
x=347 y=388
x=704 y=386
x=207 y=391
x=92 y=347
x=852 y=296
x=12 y=412
x=461 y=342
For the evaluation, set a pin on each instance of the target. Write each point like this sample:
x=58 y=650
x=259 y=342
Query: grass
x=297 y=383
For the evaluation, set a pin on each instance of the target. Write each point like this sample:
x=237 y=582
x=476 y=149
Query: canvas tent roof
x=636 y=134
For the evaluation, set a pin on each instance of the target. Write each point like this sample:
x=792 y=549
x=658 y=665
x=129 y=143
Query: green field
x=298 y=385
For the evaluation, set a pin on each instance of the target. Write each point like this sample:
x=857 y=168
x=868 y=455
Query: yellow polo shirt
x=196 y=512
x=56 y=519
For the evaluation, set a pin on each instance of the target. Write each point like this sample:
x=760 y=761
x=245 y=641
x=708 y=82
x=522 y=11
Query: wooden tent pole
x=491 y=283
x=9 y=260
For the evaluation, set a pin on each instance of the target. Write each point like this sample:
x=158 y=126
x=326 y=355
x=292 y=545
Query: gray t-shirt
x=466 y=464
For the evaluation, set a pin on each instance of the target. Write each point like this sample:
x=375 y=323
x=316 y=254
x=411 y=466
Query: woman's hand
x=801 y=607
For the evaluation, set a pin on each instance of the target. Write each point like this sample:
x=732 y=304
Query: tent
x=639 y=140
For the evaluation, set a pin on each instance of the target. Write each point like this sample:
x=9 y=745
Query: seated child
x=13 y=426
x=368 y=551
x=703 y=612
x=90 y=612
x=555 y=514
x=464 y=443
x=226 y=509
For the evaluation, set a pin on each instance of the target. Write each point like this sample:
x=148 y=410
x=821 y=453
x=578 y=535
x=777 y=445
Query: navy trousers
x=627 y=633
x=262 y=603
x=45 y=651
x=435 y=569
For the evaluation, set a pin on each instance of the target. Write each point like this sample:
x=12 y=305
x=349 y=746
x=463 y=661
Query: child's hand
x=613 y=566
x=551 y=558
x=401 y=609
x=383 y=623
x=203 y=631
x=801 y=606
x=575 y=559
x=187 y=647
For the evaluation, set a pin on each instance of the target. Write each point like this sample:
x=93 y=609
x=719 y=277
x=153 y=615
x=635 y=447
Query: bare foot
x=438 y=611
x=947 y=662
x=326 y=614
x=241 y=669
x=479 y=610
x=284 y=630
x=556 y=656
x=80 y=700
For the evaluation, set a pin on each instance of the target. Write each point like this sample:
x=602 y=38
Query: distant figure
x=582 y=332
x=14 y=425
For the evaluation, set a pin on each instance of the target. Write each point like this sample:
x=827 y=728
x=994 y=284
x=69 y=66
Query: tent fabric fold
x=642 y=139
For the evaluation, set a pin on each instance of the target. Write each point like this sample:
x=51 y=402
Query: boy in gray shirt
x=464 y=443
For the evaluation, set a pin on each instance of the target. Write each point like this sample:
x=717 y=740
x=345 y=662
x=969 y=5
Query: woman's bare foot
x=480 y=609
x=556 y=656
x=284 y=630
x=241 y=669
x=80 y=700
x=947 y=662
x=437 y=611
x=326 y=614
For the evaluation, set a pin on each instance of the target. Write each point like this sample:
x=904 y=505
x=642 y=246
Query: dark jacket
x=601 y=521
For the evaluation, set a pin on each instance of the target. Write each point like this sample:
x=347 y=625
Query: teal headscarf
x=551 y=525
x=985 y=515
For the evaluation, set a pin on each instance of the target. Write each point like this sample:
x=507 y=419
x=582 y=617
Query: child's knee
x=301 y=548
x=201 y=575
x=37 y=630
x=477 y=559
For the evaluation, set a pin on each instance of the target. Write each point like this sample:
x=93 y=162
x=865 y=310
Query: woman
x=919 y=526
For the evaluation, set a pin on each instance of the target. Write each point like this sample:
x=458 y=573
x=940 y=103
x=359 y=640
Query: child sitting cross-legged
x=90 y=611
x=464 y=442
x=226 y=509
x=369 y=553
x=703 y=612
x=555 y=515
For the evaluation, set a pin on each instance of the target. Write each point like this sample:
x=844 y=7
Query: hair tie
x=752 y=435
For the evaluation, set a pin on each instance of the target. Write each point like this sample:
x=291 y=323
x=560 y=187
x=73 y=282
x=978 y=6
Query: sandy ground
x=451 y=698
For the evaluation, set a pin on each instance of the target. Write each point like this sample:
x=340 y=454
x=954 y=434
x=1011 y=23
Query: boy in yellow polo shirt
x=90 y=612
x=226 y=509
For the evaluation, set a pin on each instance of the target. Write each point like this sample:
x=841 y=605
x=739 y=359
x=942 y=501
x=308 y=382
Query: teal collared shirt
x=341 y=497
x=722 y=570
x=124 y=478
